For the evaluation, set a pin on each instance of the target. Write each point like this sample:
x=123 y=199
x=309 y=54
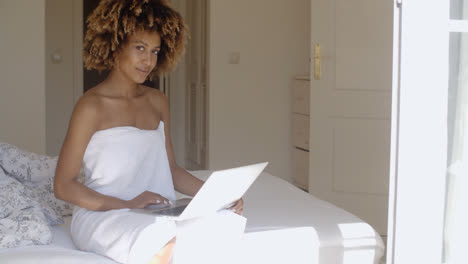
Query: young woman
x=119 y=133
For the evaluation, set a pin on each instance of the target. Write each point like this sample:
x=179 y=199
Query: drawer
x=301 y=94
x=301 y=168
x=301 y=131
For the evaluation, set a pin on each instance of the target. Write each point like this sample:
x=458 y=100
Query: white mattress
x=284 y=225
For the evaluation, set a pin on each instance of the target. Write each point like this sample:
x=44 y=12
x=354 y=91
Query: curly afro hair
x=113 y=21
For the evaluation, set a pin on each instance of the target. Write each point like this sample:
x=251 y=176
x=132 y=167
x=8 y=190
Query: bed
x=284 y=225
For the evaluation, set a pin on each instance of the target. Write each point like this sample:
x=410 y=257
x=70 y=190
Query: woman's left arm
x=184 y=182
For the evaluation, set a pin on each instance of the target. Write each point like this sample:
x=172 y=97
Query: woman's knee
x=168 y=247
x=171 y=242
x=165 y=253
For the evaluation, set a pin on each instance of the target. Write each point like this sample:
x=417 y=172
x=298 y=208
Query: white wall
x=22 y=73
x=249 y=102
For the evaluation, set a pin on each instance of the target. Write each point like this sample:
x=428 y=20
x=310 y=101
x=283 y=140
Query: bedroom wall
x=22 y=73
x=249 y=102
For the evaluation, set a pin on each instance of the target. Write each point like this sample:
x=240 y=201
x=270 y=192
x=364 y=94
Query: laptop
x=222 y=189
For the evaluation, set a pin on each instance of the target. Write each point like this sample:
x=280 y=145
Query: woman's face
x=139 y=55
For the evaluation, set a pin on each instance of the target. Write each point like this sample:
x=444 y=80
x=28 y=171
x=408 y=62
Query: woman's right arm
x=83 y=124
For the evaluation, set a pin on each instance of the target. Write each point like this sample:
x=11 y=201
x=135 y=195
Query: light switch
x=56 y=56
x=234 y=57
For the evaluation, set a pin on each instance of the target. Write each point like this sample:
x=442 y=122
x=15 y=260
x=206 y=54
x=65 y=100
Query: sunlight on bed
x=358 y=256
x=358 y=242
x=356 y=230
x=277 y=245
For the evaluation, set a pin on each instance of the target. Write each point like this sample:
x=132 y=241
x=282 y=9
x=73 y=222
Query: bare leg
x=164 y=255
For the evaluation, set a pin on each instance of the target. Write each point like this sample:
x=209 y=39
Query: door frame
x=78 y=50
x=419 y=136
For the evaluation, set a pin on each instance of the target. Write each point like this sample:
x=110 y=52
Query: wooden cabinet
x=300 y=131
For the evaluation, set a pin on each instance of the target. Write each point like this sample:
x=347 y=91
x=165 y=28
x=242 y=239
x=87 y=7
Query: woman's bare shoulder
x=86 y=112
x=157 y=98
x=154 y=93
x=88 y=102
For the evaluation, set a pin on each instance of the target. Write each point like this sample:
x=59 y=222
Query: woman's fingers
x=161 y=200
x=148 y=198
x=158 y=199
x=238 y=207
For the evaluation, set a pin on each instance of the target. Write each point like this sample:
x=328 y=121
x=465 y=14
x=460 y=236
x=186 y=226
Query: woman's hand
x=145 y=199
x=238 y=207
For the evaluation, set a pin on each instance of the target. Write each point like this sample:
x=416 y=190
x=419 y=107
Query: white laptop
x=222 y=189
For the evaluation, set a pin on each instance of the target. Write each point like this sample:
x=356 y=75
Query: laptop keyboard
x=176 y=211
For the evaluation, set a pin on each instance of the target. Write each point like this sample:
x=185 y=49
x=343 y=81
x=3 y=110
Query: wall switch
x=56 y=56
x=234 y=57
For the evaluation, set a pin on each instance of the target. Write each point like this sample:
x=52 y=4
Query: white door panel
x=350 y=106
x=368 y=138
x=363 y=33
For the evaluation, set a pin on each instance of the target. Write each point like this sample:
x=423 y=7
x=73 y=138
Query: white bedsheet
x=284 y=225
x=296 y=225
x=60 y=251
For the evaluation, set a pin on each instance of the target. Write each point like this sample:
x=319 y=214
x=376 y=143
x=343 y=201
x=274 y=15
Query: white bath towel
x=123 y=162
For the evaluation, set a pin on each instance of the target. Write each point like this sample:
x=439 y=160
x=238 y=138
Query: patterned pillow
x=44 y=190
x=44 y=194
x=12 y=195
x=18 y=196
x=26 y=166
x=24 y=228
x=36 y=172
x=22 y=220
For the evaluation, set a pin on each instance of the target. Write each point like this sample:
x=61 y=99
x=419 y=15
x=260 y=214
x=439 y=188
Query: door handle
x=317 y=62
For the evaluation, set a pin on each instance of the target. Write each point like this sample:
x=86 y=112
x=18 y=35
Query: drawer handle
x=303 y=149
